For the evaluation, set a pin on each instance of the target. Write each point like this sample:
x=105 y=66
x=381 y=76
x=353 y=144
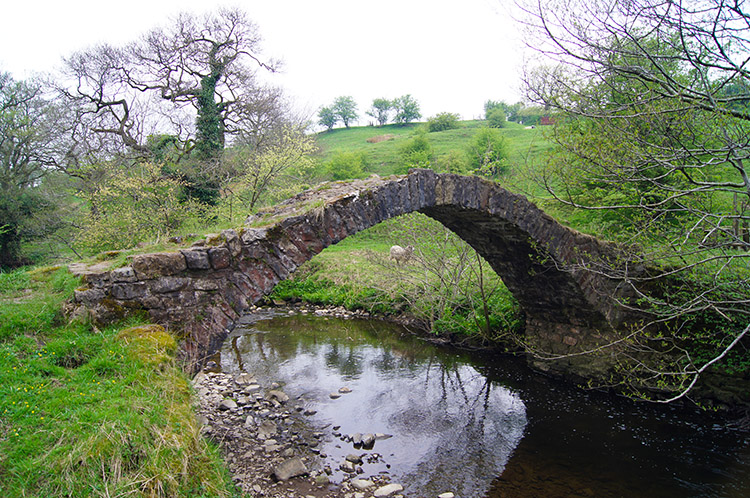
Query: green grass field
x=89 y=412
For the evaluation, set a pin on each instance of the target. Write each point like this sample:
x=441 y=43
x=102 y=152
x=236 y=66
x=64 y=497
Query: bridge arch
x=204 y=288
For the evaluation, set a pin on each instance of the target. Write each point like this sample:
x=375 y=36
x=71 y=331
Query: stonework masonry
x=202 y=290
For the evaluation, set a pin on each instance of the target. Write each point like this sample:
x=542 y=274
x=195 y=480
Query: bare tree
x=194 y=79
x=653 y=103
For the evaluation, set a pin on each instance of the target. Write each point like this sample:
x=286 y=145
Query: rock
x=347 y=466
x=279 y=396
x=199 y=378
x=344 y=390
x=368 y=441
x=387 y=490
x=309 y=412
x=288 y=469
x=380 y=436
x=322 y=480
x=267 y=428
x=357 y=439
x=244 y=379
x=227 y=404
x=361 y=483
x=356 y=459
x=334 y=395
x=446 y=495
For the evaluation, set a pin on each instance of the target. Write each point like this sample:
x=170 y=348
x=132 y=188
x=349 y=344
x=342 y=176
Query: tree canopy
x=653 y=134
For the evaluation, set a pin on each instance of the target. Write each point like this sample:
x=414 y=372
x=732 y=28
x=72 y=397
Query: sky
x=451 y=56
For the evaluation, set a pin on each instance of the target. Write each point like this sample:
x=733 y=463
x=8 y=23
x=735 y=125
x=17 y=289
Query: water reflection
x=480 y=426
x=453 y=429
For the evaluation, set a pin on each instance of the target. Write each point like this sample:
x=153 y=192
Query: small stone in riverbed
x=322 y=480
x=293 y=467
x=279 y=396
x=344 y=390
x=361 y=483
x=227 y=404
x=446 y=495
x=310 y=412
x=244 y=379
x=368 y=441
x=334 y=395
x=357 y=439
x=354 y=458
x=387 y=490
x=347 y=466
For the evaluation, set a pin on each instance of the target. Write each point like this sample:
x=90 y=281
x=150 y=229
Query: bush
x=487 y=152
x=443 y=121
x=346 y=165
x=496 y=118
x=416 y=152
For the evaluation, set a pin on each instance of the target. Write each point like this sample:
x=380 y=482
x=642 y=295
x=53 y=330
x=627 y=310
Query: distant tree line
x=401 y=110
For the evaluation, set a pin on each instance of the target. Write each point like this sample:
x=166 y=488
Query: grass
x=88 y=412
x=383 y=157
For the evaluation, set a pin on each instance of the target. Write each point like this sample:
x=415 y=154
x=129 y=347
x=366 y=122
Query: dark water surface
x=483 y=426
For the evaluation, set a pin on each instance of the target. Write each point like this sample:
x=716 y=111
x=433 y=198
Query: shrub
x=487 y=152
x=496 y=118
x=443 y=121
x=346 y=165
x=416 y=152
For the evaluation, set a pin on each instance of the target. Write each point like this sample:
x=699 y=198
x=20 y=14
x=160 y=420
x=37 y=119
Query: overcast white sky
x=450 y=55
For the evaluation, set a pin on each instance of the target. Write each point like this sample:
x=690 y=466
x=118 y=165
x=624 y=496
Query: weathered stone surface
x=196 y=259
x=220 y=257
x=388 y=490
x=168 y=284
x=124 y=274
x=158 y=264
x=288 y=469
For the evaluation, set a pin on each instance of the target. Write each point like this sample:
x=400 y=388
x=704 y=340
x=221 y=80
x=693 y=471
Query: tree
x=407 y=109
x=192 y=79
x=275 y=170
x=27 y=143
x=345 y=108
x=496 y=118
x=510 y=111
x=327 y=117
x=655 y=130
x=380 y=110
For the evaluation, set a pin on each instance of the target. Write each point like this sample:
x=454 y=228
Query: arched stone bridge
x=203 y=289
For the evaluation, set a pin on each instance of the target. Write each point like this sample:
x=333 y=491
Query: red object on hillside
x=546 y=121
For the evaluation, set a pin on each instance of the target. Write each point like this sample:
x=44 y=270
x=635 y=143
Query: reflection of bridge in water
x=204 y=288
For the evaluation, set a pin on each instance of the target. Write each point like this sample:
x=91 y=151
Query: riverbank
x=272 y=450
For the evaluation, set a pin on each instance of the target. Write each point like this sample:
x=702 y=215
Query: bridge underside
x=203 y=289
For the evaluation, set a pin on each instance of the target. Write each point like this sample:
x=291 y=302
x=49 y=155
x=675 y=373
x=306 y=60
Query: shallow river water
x=482 y=426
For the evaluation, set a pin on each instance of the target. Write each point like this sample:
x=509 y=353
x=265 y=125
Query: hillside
x=380 y=144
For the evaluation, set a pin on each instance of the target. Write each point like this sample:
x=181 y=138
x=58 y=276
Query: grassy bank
x=88 y=412
x=444 y=288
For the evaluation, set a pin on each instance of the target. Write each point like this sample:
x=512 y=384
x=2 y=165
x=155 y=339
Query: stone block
x=124 y=274
x=196 y=259
x=220 y=257
x=158 y=264
x=128 y=291
x=168 y=284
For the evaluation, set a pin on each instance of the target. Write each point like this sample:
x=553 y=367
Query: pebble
x=387 y=490
x=446 y=495
x=361 y=483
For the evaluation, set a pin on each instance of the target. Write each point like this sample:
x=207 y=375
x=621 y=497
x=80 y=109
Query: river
x=481 y=425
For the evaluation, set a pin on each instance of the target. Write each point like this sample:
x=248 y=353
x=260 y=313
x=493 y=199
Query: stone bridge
x=202 y=290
